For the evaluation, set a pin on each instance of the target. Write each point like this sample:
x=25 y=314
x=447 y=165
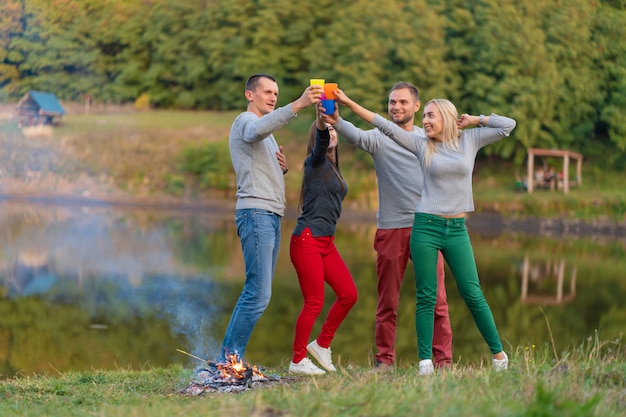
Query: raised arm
x=356 y=108
x=310 y=96
x=468 y=120
x=408 y=140
x=366 y=140
x=411 y=141
x=322 y=139
x=493 y=128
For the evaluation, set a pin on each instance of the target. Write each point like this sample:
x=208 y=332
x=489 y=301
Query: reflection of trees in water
x=117 y=313
x=42 y=337
x=120 y=272
x=601 y=231
x=98 y=241
x=27 y=278
x=109 y=322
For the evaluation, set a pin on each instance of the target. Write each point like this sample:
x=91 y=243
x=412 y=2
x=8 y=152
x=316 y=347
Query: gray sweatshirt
x=398 y=172
x=260 y=182
x=448 y=180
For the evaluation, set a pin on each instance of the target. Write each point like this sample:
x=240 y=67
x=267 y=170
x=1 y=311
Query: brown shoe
x=381 y=368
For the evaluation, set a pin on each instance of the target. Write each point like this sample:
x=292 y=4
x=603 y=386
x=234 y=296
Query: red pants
x=392 y=248
x=317 y=261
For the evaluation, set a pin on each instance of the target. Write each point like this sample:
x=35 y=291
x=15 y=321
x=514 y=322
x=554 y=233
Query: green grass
x=588 y=381
x=600 y=196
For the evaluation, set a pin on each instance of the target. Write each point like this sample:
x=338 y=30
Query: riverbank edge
x=487 y=221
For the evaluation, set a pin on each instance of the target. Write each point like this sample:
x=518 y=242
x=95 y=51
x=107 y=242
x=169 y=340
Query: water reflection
x=102 y=287
x=542 y=277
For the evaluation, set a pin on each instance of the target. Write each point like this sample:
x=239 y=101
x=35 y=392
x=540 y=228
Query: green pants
x=430 y=234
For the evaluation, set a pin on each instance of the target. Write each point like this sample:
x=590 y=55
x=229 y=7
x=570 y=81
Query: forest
x=557 y=66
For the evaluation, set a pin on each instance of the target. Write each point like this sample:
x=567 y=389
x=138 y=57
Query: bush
x=209 y=165
x=142 y=102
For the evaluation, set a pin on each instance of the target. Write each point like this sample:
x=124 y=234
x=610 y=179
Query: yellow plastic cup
x=317 y=81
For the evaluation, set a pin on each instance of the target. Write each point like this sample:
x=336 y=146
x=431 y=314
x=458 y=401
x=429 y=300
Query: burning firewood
x=230 y=376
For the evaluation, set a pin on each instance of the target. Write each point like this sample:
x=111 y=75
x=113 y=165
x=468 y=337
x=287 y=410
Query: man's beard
x=400 y=121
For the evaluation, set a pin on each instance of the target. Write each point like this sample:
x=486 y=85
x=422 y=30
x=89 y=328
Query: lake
x=98 y=286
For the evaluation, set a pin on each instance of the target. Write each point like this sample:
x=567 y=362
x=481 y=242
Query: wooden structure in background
x=566 y=155
x=39 y=108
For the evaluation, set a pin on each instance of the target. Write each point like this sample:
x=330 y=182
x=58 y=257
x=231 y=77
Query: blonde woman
x=447 y=160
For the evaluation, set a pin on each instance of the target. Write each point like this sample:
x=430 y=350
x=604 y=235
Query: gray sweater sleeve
x=258 y=128
x=365 y=140
x=260 y=182
x=448 y=180
x=408 y=140
x=497 y=127
x=398 y=172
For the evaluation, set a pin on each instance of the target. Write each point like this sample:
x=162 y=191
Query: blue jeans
x=433 y=233
x=259 y=232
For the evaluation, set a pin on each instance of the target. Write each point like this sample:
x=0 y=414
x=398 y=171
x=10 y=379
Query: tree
x=11 y=14
x=556 y=66
x=370 y=45
x=609 y=34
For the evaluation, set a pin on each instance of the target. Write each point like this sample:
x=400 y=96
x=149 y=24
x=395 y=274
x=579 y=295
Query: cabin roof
x=47 y=102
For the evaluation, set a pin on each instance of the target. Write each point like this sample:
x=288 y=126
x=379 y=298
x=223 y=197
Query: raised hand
x=310 y=96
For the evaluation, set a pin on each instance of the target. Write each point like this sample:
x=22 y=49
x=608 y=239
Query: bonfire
x=231 y=376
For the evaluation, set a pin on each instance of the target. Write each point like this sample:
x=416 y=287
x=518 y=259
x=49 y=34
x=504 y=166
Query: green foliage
x=209 y=164
x=558 y=68
x=612 y=64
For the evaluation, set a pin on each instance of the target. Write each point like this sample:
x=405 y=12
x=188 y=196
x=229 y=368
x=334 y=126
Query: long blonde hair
x=334 y=161
x=450 y=131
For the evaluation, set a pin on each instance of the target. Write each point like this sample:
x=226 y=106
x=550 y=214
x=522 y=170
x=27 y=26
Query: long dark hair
x=333 y=163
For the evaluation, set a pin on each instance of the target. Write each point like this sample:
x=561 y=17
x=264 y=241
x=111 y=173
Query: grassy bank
x=589 y=381
x=176 y=156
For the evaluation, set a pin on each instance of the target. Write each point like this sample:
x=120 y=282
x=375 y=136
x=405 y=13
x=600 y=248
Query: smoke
x=115 y=267
x=188 y=305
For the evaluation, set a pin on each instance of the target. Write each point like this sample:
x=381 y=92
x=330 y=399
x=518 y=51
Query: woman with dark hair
x=313 y=252
x=447 y=158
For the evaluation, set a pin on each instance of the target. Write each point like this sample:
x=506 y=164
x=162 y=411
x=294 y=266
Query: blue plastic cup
x=329 y=106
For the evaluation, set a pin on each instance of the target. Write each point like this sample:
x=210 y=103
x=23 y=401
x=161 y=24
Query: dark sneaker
x=381 y=368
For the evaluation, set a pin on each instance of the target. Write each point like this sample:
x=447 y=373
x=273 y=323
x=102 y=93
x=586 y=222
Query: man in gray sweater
x=400 y=182
x=259 y=165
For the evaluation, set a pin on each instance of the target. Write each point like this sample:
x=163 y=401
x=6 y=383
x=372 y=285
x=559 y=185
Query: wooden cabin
x=39 y=108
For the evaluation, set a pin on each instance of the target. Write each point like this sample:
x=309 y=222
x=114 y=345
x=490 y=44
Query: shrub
x=209 y=165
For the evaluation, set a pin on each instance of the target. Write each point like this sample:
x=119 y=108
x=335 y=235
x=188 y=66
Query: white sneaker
x=500 y=364
x=322 y=355
x=426 y=367
x=305 y=366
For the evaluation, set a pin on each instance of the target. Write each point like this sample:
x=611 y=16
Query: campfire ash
x=231 y=376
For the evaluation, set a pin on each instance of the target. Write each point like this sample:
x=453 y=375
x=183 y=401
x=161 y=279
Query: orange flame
x=236 y=368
